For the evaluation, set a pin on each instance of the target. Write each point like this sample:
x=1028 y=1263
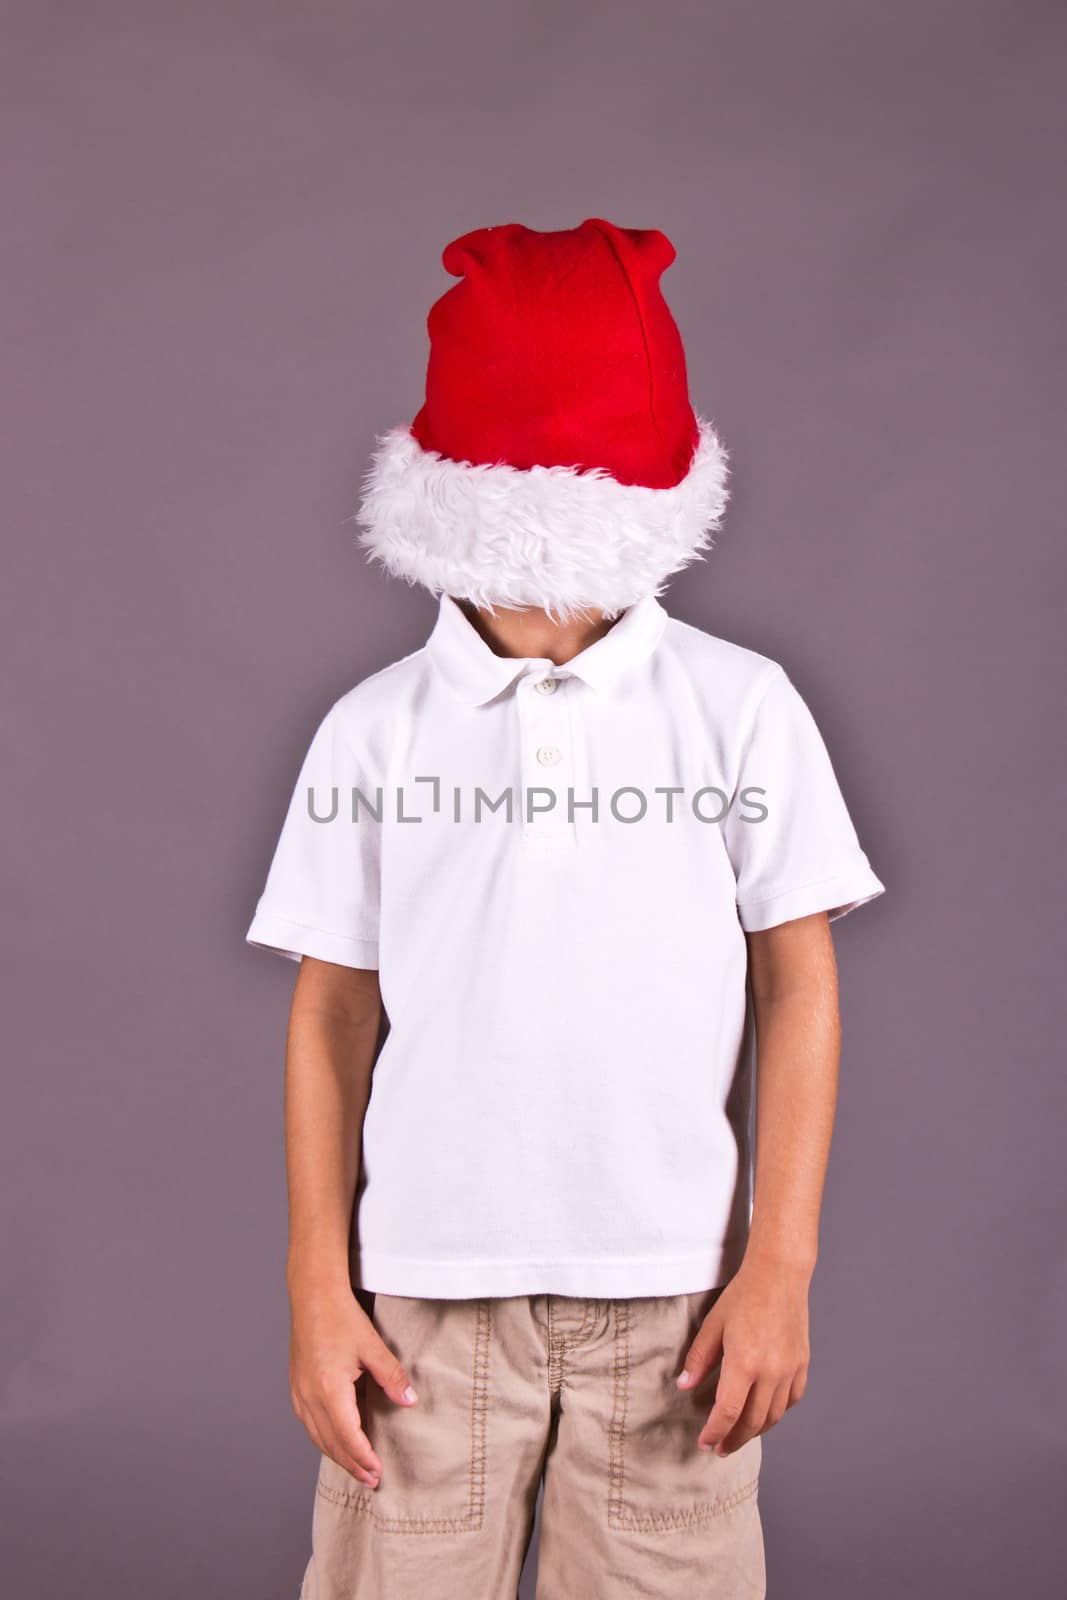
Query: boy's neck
x=531 y=632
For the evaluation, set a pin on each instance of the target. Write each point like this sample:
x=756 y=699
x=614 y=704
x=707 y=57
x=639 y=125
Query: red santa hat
x=557 y=461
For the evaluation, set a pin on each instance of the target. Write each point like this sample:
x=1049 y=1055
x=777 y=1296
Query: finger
x=797 y=1387
x=306 y=1418
x=310 y=1427
x=358 y=1461
x=778 y=1407
x=385 y=1367
x=703 y=1353
x=340 y=1425
x=731 y=1395
x=752 y=1419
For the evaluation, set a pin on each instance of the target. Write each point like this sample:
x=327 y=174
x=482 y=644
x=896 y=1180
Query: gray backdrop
x=222 y=231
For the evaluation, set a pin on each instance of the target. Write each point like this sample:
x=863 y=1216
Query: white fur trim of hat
x=558 y=538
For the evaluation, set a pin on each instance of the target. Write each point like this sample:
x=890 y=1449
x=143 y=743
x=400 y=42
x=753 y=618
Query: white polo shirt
x=553 y=869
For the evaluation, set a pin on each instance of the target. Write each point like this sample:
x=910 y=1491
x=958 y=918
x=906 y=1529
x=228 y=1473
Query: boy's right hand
x=332 y=1342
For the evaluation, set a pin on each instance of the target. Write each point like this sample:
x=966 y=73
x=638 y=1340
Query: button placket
x=545 y=738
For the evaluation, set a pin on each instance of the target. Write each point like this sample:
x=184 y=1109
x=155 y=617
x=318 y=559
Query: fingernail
x=409 y=1393
x=685 y=1376
x=702 y=1444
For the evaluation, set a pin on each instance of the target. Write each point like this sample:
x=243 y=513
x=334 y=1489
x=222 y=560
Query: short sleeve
x=321 y=896
x=790 y=838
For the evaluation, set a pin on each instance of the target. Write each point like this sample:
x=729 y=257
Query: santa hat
x=557 y=461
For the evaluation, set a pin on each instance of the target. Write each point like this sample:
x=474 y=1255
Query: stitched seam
x=620 y=1397
x=363 y=1502
x=555 y=1366
x=667 y=1520
x=360 y=1505
x=543 y=1261
x=649 y=370
x=327 y=933
x=759 y=693
x=692 y=1516
x=585 y=1332
x=651 y=1522
x=811 y=883
x=480 y=1413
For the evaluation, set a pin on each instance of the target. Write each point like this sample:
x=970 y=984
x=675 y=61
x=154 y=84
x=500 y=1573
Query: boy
x=570 y=854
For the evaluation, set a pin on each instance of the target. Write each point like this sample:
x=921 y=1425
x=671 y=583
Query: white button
x=546 y=685
x=548 y=755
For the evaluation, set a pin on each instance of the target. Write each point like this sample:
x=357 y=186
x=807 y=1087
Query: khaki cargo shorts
x=514 y=1392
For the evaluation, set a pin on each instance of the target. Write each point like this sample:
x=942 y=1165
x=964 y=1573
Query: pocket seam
x=363 y=1501
x=619 y=1517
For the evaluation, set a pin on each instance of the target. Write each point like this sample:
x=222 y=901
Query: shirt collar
x=477 y=674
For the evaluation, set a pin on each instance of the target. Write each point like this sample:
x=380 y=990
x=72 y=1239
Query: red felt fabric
x=558 y=349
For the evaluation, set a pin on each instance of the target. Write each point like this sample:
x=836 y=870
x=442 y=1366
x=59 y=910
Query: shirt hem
x=621 y=1278
x=837 y=895
x=293 y=939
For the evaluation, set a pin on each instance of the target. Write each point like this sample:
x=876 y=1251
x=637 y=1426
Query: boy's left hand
x=759 y=1327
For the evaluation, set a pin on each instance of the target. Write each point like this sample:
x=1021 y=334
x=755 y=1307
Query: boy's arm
x=759 y=1323
x=334 y=1026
